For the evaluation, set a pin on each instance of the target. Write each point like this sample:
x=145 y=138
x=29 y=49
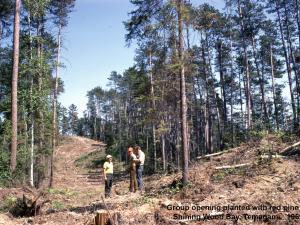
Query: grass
x=91 y=160
x=221 y=175
x=8 y=203
x=65 y=192
x=57 y=205
x=96 y=159
x=141 y=201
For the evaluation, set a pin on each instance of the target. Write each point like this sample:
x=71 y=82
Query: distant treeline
x=241 y=67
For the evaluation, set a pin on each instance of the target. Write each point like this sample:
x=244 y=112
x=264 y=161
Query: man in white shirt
x=139 y=166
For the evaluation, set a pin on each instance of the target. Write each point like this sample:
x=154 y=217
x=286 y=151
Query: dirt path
x=80 y=185
x=74 y=188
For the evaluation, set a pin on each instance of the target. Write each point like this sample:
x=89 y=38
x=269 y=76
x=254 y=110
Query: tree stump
x=101 y=217
x=27 y=207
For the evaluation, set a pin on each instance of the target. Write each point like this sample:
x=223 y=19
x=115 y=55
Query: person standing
x=108 y=170
x=132 y=170
x=139 y=166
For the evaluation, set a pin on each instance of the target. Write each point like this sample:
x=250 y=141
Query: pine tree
x=14 y=89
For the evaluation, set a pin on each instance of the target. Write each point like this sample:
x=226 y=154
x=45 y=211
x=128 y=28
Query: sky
x=94 y=46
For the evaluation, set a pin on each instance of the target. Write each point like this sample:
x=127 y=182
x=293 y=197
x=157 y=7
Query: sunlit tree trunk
x=153 y=108
x=261 y=81
x=183 y=106
x=288 y=66
x=31 y=180
x=273 y=90
x=14 y=88
x=292 y=57
x=247 y=72
x=54 y=118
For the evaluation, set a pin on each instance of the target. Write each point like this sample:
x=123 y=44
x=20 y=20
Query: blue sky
x=94 y=45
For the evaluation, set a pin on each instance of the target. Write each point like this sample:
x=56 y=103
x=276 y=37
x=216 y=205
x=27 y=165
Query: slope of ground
x=214 y=196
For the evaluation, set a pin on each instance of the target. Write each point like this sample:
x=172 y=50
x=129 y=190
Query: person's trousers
x=108 y=185
x=133 y=181
x=139 y=175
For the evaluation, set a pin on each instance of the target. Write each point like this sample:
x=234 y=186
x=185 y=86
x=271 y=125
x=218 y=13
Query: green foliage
x=141 y=201
x=22 y=165
x=285 y=136
x=258 y=134
x=57 y=205
x=222 y=174
x=175 y=189
x=91 y=160
x=38 y=51
x=5 y=174
x=60 y=191
x=8 y=203
x=5 y=130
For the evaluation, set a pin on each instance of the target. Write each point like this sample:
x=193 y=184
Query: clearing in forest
x=264 y=179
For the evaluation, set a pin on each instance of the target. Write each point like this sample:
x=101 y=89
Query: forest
x=212 y=98
x=229 y=75
x=204 y=80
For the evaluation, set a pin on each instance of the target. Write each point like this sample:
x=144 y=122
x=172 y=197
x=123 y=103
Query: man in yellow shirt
x=108 y=170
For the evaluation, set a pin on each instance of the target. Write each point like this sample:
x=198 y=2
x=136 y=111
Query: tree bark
x=153 y=108
x=261 y=81
x=1 y=28
x=292 y=55
x=241 y=100
x=184 y=141
x=298 y=22
x=223 y=94
x=207 y=129
x=229 y=11
x=288 y=66
x=31 y=180
x=273 y=89
x=54 y=118
x=247 y=75
x=222 y=80
x=163 y=151
x=14 y=89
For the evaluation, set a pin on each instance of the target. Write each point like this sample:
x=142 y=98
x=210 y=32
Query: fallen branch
x=232 y=166
x=214 y=154
x=290 y=147
x=273 y=156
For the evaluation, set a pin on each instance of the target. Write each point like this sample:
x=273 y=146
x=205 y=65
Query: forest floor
x=213 y=196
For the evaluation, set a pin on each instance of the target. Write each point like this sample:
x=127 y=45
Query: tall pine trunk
x=261 y=81
x=184 y=141
x=207 y=111
x=153 y=108
x=54 y=116
x=31 y=180
x=247 y=72
x=223 y=93
x=14 y=88
x=292 y=57
x=273 y=90
x=298 y=21
x=288 y=66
